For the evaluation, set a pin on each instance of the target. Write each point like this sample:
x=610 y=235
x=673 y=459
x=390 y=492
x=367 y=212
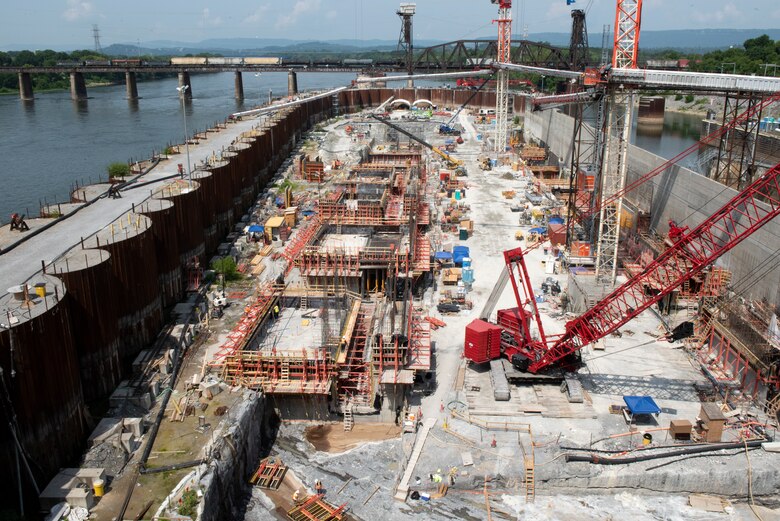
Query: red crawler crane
x=693 y=251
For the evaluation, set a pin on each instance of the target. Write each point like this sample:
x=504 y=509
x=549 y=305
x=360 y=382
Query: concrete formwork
x=134 y=270
x=94 y=318
x=165 y=231
x=41 y=382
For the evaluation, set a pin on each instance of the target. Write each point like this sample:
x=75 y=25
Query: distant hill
x=686 y=40
x=691 y=40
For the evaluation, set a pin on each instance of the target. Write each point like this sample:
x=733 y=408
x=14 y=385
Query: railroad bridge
x=460 y=55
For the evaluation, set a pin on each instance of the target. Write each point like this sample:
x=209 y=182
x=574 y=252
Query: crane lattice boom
x=748 y=211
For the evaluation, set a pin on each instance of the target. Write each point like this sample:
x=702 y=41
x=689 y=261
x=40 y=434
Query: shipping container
x=188 y=60
x=226 y=61
x=556 y=233
x=262 y=61
x=483 y=342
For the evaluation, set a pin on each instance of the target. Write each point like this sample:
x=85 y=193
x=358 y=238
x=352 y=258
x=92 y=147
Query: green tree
x=118 y=169
x=226 y=266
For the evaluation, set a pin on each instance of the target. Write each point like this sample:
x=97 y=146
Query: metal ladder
x=349 y=421
x=285 y=377
x=530 y=492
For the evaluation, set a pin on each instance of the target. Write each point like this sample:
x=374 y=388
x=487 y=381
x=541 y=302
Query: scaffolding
x=304 y=371
x=255 y=314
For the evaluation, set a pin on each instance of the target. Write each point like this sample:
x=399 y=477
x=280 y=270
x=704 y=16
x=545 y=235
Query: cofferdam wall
x=105 y=297
x=682 y=195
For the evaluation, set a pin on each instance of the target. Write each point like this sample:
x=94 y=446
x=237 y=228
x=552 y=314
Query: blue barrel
x=467 y=275
x=466 y=262
x=457 y=195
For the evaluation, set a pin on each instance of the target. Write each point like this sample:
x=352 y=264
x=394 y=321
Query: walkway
x=24 y=261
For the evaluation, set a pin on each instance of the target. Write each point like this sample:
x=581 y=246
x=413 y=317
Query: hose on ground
x=595 y=459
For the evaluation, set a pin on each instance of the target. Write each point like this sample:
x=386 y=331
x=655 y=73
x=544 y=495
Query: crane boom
x=750 y=113
x=451 y=161
x=468 y=100
x=748 y=211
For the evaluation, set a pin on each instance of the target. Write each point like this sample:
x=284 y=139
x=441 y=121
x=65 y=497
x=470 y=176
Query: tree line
x=48 y=57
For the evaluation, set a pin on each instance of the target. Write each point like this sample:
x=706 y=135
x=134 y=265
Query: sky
x=68 y=23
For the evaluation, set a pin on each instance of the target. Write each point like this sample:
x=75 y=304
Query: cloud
x=258 y=15
x=77 y=10
x=331 y=15
x=208 y=20
x=728 y=13
x=301 y=7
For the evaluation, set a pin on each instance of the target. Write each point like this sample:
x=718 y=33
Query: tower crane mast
x=504 y=45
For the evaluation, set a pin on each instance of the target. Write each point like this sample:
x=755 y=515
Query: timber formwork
x=315 y=508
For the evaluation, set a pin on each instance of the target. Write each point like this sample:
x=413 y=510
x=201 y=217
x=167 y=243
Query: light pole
x=182 y=90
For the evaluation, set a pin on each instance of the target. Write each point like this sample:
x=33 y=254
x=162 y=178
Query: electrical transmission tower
x=96 y=36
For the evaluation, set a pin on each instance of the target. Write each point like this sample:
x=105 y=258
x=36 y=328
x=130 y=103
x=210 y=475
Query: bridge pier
x=131 y=85
x=239 y=83
x=25 y=86
x=78 y=88
x=292 y=83
x=184 y=79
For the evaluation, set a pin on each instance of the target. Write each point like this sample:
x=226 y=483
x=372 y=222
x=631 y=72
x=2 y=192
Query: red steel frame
x=709 y=138
x=748 y=211
x=627 y=21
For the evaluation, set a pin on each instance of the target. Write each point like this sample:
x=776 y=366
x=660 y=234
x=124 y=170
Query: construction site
x=431 y=302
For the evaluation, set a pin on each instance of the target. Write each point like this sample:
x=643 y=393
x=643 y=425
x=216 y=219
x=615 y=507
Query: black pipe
x=175 y=466
x=598 y=460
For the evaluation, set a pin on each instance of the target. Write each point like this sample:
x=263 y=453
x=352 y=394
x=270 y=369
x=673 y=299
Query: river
x=54 y=142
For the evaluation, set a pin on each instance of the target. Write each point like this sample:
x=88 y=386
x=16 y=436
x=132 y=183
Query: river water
x=54 y=142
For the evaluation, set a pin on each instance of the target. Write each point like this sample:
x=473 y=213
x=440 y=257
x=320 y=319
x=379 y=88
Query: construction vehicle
x=522 y=337
x=448 y=128
x=451 y=161
x=448 y=131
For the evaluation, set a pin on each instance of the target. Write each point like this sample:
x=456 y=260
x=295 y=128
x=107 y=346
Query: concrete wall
x=226 y=481
x=684 y=196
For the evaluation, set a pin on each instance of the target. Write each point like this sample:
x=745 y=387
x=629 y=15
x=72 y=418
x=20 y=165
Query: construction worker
x=318 y=486
x=276 y=311
x=296 y=496
x=17 y=222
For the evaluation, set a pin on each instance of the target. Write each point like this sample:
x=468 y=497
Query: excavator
x=522 y=337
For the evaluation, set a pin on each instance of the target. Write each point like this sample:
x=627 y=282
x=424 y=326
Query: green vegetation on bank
x=45 y=58
x=756 y=56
